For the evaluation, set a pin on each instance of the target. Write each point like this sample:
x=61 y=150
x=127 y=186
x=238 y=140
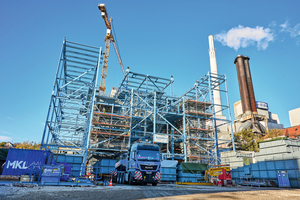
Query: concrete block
x=261 y=158
x=287 y=156
x=269 y=150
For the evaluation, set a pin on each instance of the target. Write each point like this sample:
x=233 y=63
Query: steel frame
x=153 y=110
x=68 y=123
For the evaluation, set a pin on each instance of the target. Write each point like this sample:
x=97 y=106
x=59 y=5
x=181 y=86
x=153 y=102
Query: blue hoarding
x=21 y=161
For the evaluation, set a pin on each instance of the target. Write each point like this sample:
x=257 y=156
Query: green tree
x=2 y=144
x=27 y=145
x=273 y=133
x=247 y=140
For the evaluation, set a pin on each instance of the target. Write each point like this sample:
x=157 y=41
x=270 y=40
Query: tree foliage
x=247 y=140
x=273 y=133
x=27 y=145
x=2 y=144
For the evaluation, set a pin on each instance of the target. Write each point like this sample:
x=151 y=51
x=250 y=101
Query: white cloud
x=241 y=36
x=6 y=132
x=294 y=32
x=5 y=139
x=272 y=24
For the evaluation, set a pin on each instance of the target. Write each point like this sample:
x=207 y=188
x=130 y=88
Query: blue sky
x=160 y=38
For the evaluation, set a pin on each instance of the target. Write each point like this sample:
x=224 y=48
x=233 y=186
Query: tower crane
x=108 y=39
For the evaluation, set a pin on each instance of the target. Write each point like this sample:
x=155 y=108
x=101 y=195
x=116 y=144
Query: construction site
x=141 y=132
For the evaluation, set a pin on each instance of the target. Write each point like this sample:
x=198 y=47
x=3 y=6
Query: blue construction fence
x=267 y=170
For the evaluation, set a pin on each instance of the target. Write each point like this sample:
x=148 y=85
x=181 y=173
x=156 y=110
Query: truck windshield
x=148 y=155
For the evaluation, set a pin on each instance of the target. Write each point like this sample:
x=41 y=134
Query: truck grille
x=148 y=167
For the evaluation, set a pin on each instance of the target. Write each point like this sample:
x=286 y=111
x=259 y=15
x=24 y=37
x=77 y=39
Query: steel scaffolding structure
x=69 y=118
x=144 y=109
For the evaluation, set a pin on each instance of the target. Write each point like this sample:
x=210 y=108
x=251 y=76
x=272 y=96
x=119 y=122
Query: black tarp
x=194 y=168
x=3 y=154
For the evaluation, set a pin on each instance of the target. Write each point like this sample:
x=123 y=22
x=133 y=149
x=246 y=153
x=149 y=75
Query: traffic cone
x=110 y=184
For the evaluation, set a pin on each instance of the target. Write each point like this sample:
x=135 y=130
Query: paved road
x=124 y=192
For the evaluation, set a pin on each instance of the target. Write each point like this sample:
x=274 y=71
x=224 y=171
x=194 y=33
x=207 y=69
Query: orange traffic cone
x=110 y=184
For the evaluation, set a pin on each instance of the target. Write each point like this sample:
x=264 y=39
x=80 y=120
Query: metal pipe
x=239 y=61
x=250 y=85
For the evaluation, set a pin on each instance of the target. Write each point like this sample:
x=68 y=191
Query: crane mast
x=108 y=39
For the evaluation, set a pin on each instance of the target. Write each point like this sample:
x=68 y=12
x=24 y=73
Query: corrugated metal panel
x=165 y=177
x=292 y=173
x=106 y=162
x=241 y=174
x=270 y=165
x=262 y=165
x=168 y=170
x=254 y=166
x=21 y=161
x=279 y=164
x=263 y=174
x=294 y=183
x=289 y=164
x=272 y=174
x=68 y=158
x=255 y=174
x=235 y=174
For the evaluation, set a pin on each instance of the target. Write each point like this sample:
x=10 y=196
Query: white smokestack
x=214 y=70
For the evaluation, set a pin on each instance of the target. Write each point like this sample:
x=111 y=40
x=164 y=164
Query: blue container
x=279 y=164
x=168 y=173
x=272 y=174
x=24 y=161
x=106 y=163
x=254 y=166
x=271 y=165
x=262 y=165
x=74 y=160
x=104 y=166
x=168 y=177
x=289 y=164
x=71 y=159
x=51 y=173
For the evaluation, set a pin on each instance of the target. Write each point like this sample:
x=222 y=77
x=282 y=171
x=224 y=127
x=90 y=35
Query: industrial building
x=295 y=117
x=248 y=112
x=143 y=107
x=88 y=130
x=269 y=119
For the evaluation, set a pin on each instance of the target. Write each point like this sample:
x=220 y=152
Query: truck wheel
x=130 y=182
x=154 y=184
x=225 y=183
x=215 y=183
x=233 y=183
x=118 y=178
x=123 y=178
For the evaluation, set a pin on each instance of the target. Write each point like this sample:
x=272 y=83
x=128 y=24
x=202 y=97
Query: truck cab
x=143 y=163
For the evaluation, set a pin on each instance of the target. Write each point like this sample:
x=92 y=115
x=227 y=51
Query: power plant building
x=270 y=120
x=295 y=117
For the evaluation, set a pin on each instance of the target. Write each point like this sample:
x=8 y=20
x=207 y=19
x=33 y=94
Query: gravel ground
x=163 y=191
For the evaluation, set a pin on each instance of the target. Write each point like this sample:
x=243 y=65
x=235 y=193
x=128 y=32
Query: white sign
x=262 y=105
x=161 y=138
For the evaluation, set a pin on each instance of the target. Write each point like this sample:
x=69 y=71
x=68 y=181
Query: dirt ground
x=162 y=191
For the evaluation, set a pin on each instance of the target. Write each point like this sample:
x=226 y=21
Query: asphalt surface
x=162 y=191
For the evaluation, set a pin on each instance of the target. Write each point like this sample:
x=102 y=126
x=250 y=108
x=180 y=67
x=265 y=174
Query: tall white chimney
x=214 y=70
